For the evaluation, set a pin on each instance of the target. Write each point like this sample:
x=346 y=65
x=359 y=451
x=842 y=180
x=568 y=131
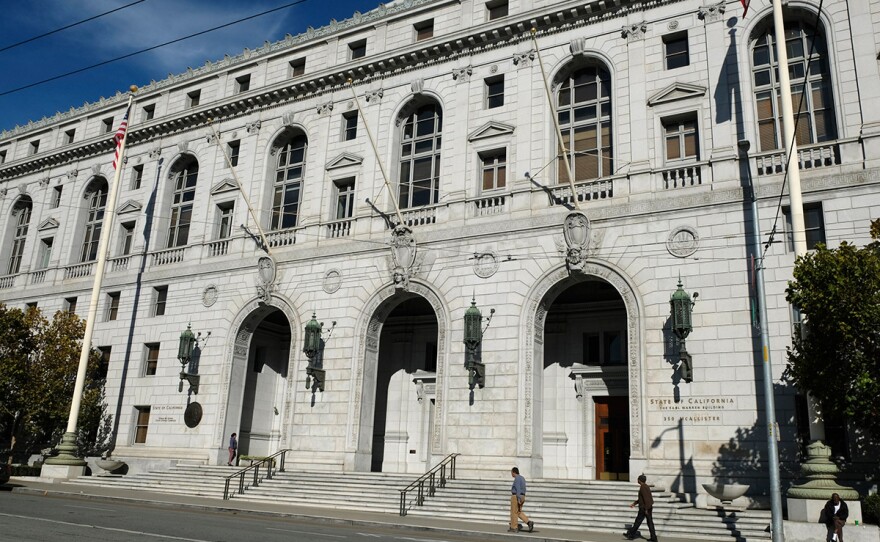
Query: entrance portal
x=612 y=438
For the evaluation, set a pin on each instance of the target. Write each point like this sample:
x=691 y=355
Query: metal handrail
x=430 y=476
x=255 y=467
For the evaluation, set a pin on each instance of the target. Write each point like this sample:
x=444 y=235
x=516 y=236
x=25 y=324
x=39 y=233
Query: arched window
x=584 y=106
x=21 y=218
x=420 y=139
x=815 y=117
x=96 y=196
x=184 y=177
x=290 y=166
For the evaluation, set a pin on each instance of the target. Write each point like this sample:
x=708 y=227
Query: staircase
x=576 y=505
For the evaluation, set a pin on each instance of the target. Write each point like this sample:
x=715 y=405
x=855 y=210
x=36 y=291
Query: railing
x=269 y=471
x=683 y=175
x=811 y=157
x=431 y=478
x=218 y=248
x=7 y=282
x=341 y=228
x=119 y=264
x=491 y=205
x=420 y=216
x=38 y=277
x=281 y=238
x=164 y=257
x=601 y=189
x=78 y=270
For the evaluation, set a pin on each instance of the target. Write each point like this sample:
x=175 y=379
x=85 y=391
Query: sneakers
x=531 y=525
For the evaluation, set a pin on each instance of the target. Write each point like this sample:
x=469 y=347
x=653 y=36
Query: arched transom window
x=584 y=107
x=420 y=141
x=289 y=172
x=184 y=177
x=814 y=110
x=21 y=218
x=96 y=198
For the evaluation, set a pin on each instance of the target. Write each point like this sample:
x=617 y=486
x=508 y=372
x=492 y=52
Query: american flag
x=119 y=136
x=745 y=4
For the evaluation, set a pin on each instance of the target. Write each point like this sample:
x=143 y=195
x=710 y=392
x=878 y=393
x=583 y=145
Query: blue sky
x=140 y=26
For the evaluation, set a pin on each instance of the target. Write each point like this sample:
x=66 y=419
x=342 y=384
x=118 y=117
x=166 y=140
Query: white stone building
x=581 y=376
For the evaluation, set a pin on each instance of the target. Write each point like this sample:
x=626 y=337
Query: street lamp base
x=66 y=453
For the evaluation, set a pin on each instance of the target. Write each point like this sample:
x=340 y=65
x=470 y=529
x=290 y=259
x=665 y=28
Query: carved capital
x=71 y=175
x=374 y=96
x=711 y=13
x=462 y=75
x=253 y=127
x=43 y=183
x=211 y=138
x=525 y=59
x=635 y=31
x=324 y=108
x=154 y=154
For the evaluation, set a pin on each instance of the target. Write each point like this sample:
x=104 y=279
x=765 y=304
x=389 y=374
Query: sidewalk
x=542 y=533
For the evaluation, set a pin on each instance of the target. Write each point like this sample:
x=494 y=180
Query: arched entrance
x=257 y=379
x=397 y=397
x=562 y=383
x=584 y=417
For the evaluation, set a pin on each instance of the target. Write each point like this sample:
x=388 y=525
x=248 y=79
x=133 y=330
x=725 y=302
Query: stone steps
x=566 y=504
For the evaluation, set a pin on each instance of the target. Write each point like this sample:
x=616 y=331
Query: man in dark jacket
x=835 y=513
x=646 y=507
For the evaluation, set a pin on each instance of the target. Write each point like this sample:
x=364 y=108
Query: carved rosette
x=576 y=230
x=403 y=256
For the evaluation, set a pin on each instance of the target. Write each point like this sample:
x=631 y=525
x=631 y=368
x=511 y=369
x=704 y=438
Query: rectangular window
x=69 y=135
x=592 y=354
x=424 y=30
x=814 y=225
x=494 y=92
x=35 y=147
x=142 y=413
x=242 y=83
x=193 y=97
x=127 y=238
x=45 y=253
x=107 y=125
x=105 y=361
x=151 y=358
x=56 y=197
x=496 y=9
x=3 y=156
x=676 y=50
x=31 y=305
x=681 y=139
x=70 y=305
x=344 y=198
x=297 y=67
x=604 y=348
x=160 y=298
x=613 y=347
x=349 y=125
x=225 y=213
x=357 y=49
x=494 y=168
x=112 y=306
x=232 y=149
x=137 y=177
x=149 y=111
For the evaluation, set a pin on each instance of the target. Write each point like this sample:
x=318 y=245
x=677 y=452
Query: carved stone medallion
x=683 y=241
x=332 y=281
x=209 y=295
x=485 y=264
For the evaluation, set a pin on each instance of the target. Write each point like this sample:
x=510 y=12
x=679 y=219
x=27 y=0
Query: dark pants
x=641 y=516
x=836 y=526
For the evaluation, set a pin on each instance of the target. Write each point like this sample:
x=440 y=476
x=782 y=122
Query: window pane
x=672 y=148
x=502 y=174
x=690 y=145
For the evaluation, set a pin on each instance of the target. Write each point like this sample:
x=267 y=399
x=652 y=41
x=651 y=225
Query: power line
x=8 y=47
x=135 y=53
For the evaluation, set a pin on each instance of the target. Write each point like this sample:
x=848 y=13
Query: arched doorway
x=258 y=381
x=584 y=417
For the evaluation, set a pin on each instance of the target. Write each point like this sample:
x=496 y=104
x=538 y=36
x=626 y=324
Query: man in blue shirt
x=517 y=499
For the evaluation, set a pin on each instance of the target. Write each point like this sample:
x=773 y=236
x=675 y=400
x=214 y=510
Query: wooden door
x=612 y=438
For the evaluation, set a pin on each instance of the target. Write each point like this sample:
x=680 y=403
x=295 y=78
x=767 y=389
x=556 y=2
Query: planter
x=726 y=493
x=109 y=465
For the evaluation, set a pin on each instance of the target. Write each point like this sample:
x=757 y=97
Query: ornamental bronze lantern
x=184 y=355
x=312 y=347
x=473 y=336
x=682 y=307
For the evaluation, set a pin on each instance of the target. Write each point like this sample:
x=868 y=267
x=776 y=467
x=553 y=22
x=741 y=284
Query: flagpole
x=67 y=460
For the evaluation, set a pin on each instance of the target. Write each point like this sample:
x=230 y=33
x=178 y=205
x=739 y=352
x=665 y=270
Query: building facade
x=666 y=112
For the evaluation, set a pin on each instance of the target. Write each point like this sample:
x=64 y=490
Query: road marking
x=113 y=529
x=420 y=539
x=370 y=535
x=90 y=508
x=305 y=532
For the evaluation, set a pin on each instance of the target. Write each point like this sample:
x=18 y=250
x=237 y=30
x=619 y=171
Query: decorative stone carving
x=332 y=281
x=712 y=13
x=577 y=46
x=403 y=256
x=417 y=86
x=253 y=127
x=673 y=25
x=576 y=230
x=266 y=278
x=683 y=241
x=485 y=264
x=71 y=175
x=635 y=31
x=96 y=169
x=462 y=75
x=374 y=96
x=525 y=59
x=211 y=138
x=43 y=183
x=154 y=154
x=493 y=68
x=287 y=118
x=182 y=146
x=821 y=474
x=3 y=192
x=209 y=295
x=324 y=108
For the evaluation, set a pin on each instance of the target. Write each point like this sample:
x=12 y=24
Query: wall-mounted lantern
x=473 y=336
x=312 y=347
x=188 y=341
x=682 y=305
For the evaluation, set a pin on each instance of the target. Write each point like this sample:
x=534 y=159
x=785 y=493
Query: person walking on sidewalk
x=517 y=500
x=233 y=448
x=646 y=506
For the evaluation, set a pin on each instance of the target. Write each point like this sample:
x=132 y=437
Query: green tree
x=836 y=355
x=38 y=365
